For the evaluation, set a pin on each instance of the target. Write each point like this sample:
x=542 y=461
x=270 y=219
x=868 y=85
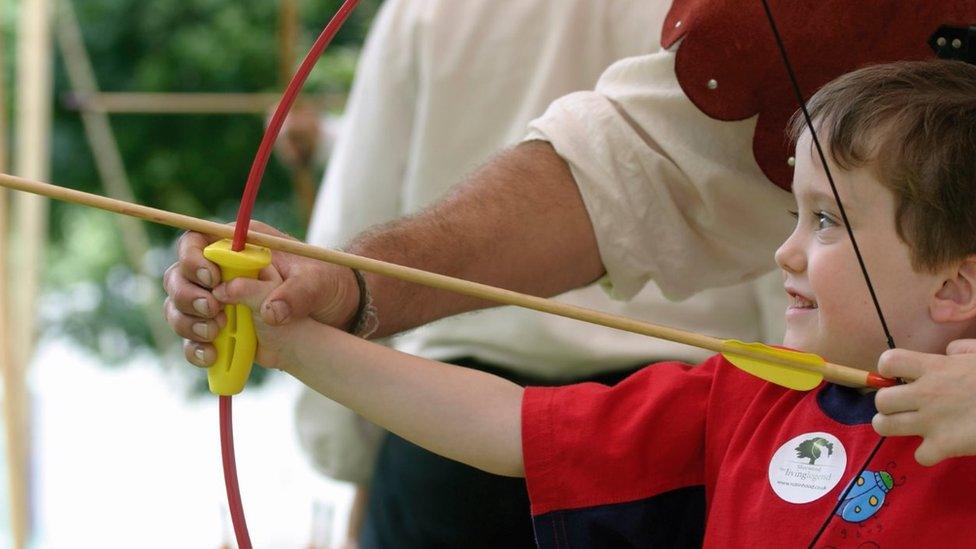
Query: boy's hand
x=308 y=289
x=939 y=405
x=275 y=343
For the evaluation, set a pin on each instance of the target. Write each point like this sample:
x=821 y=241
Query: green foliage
x=191 y=164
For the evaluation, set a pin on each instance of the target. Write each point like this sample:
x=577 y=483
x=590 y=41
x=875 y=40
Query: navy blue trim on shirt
x=671 y=519
x=846 y=405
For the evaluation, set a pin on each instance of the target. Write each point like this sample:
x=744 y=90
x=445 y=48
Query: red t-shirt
x=773 y=463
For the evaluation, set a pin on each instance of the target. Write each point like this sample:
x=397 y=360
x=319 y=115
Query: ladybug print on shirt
x=866 y=497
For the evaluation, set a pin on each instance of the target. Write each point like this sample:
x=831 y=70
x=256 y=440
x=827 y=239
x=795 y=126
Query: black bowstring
x=850 y=233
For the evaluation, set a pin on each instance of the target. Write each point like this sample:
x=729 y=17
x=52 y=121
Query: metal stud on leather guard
x=237 y=342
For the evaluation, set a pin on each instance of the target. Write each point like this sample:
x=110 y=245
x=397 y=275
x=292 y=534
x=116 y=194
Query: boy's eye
x=824 y=221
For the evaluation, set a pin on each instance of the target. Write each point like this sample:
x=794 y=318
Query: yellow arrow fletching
x=791 y=377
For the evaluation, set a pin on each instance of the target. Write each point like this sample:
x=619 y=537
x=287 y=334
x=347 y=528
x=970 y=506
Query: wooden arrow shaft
x=836 y=373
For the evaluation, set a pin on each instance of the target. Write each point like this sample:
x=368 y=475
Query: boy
x=772 y=462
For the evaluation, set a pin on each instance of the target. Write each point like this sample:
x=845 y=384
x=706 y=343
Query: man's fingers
x=268 y=229
x=270 y=274
x=900 y=363
x=187 y=296
x=194 y=328
x=961 y=347
x=197 y=268
x=894 y=400
x=897 y=425
x=193 y=266
x=199 y=354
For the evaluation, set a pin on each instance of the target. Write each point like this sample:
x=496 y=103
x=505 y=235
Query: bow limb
x=236 y=341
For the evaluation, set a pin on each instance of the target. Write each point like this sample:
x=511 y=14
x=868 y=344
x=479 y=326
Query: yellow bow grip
x=236 y=343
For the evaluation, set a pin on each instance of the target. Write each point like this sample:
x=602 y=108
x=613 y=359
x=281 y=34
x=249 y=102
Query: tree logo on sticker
x=813 y=448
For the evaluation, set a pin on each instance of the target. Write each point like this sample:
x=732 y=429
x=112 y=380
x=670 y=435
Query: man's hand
x=298 y=140
x=308 y=289
x=939 y=405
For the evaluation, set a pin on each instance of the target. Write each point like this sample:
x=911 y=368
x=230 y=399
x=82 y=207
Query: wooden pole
x=108 y=161
x=192 y=103
x=303 y=174
x=287 y=39
x=836 y=373
x=33 y=126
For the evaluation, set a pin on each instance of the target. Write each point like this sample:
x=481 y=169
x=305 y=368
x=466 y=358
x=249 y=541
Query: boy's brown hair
x=914 y=124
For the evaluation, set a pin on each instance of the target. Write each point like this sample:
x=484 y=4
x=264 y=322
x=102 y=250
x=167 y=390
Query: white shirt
x=674 y=196
x=444 y=84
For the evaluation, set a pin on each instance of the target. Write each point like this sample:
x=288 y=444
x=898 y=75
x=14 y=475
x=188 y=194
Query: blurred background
x=110 y=439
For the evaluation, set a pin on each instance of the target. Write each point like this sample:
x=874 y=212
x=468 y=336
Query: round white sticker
x=807 y=467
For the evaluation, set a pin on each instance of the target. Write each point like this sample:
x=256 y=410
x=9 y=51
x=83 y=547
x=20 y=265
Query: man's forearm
x=518 y=222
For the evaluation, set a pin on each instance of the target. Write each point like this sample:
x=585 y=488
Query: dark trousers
x=420 y=500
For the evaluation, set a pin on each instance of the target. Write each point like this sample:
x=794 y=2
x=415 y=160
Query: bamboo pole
x=33 y=126
x=12 y=388
x=836 y=373
x=108 y=162
x=303 y=177
x=192 y=103
x=287 y=39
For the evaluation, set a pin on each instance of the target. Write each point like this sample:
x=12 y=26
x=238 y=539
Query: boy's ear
x=955 y=301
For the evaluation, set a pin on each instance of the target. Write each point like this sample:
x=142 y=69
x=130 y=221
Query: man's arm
x=518 y=222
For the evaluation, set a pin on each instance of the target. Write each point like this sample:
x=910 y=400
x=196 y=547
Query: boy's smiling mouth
x=799 y=301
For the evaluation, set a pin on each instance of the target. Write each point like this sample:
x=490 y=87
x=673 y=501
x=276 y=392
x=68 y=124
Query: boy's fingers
x=192 y=264
x=296 y=297
x=897 y=425
x=900 y=363
x=893 y=400
x=929 y=453
x=961 y=346
x=246 y=291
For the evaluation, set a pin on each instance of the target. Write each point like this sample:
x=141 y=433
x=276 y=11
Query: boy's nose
x=790 y=257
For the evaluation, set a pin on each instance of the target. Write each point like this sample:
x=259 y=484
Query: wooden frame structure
x=29 y=212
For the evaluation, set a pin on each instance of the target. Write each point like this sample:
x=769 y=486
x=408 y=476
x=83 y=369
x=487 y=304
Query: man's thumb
x=294 y=298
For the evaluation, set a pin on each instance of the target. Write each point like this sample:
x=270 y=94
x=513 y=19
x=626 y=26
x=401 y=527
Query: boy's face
x=830 y=310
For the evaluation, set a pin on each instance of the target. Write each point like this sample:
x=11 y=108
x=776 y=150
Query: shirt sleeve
x=363 y=183
x=588 y=445
x=673 y=195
